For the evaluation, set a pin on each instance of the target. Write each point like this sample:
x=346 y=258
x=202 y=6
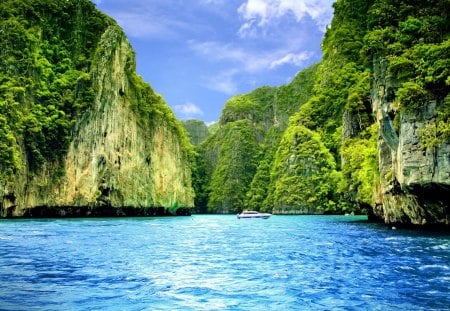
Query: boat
x=253 y=215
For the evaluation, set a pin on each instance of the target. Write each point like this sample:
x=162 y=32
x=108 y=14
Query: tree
x=303 y=174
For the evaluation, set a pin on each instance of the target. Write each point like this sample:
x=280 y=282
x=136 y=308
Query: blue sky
x=199 y=53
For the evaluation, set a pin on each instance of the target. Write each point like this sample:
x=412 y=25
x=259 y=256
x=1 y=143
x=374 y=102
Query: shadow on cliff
x=97 y=211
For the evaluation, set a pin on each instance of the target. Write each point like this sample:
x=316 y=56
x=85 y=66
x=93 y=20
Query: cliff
x=236 y=159
x=366 y=131
x=414 y=178
x=384 y=78
x=197 y=130
x=410 y=57
x=303 y=175
x=125 y=154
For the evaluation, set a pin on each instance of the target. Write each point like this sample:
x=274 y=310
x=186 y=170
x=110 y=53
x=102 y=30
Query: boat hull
x=253 y=216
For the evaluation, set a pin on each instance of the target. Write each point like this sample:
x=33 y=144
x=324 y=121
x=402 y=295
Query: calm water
x=221 y=263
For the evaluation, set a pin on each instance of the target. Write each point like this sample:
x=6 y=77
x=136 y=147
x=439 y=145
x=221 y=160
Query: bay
x=216 y=262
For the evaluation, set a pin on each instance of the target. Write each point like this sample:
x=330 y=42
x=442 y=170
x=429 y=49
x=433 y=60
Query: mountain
x=80 y=132
x=365 y=130
x=197 y=131
x=409 y=55
x=250 y=129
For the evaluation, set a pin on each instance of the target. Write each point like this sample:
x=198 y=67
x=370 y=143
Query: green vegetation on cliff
x=326 y=159
x=47 y=49
x=239 y=154
x=235 y=168
x=414 y=39
x=303 y=174
x=75 y=116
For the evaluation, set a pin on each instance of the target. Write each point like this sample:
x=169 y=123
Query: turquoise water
x=221 y=263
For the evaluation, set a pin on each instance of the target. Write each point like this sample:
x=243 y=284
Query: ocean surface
x=221 y=263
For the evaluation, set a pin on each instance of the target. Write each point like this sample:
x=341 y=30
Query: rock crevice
x=413 y=178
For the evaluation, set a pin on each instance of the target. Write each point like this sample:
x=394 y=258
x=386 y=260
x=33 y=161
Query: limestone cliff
x=197 y=130
x=415 y=180
x=238 y=156
x=127 y=153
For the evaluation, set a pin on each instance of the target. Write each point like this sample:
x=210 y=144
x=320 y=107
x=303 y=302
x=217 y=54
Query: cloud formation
x=260 y=13
x=188 y=110
x=248 y=60
x=219 y=47
x=296 y=59
x=223 y=82
x=242 y=65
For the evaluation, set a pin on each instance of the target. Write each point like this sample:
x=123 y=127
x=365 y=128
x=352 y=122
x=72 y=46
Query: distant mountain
x=197 y=131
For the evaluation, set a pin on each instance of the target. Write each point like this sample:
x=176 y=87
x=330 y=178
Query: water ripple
x=221 y=263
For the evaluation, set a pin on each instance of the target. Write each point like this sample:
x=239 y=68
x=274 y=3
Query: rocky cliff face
x=119 y=159
x=197 y=130
x=414 y=180
x=238 y=156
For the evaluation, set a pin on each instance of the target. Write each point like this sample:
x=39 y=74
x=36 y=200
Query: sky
x=199 y=53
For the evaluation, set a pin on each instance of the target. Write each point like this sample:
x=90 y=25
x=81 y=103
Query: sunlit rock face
x=119 y=156
x=415 y=181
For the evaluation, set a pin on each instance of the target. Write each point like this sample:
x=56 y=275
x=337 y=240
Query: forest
x=44 y=77
x=47 y=53
x=311 y=146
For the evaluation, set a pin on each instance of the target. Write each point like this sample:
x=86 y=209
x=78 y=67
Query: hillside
x=250 y=129
x=80 y=132
x=369 y=125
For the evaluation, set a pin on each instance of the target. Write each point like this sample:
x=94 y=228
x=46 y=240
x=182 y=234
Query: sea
x=218 y=262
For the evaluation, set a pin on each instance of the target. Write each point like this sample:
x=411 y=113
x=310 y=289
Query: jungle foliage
x=308 y=146
x=238 y=155
x=325 y=158
x=46 y=53
x=48 y=56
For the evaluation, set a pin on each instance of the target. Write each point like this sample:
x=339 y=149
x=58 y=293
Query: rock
x=120 y=161
x=414 y=182
x=198 y=131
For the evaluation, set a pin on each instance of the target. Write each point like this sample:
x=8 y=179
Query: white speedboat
x=253 y=214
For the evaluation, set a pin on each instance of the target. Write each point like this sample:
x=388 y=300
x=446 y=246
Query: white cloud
x=188 y=110
x=250 y=60
x=291 y=58
x=222 y=82
x=243 y=62
x=260 y=13
x=210 y=123
x=255 y=9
